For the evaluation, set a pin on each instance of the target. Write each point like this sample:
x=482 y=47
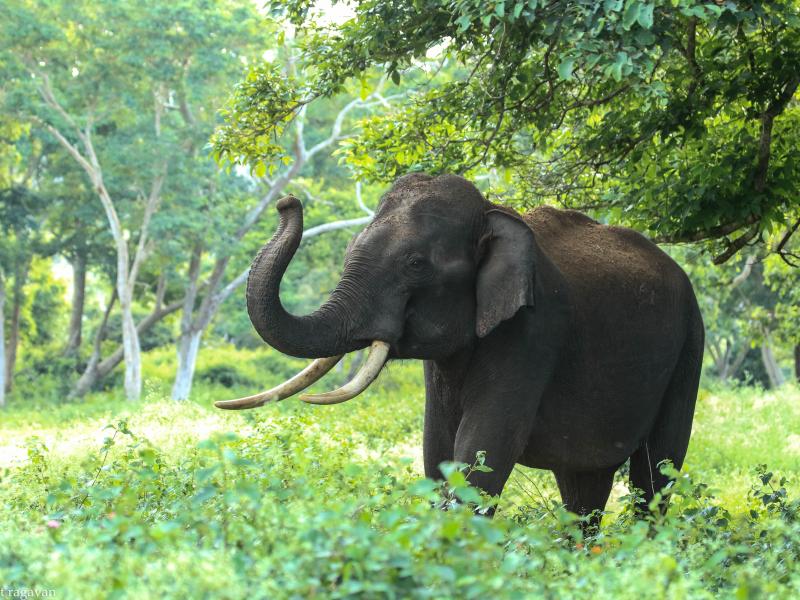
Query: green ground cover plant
x=175 y=500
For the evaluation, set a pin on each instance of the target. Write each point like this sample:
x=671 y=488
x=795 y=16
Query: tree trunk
x=89 y=376
x=797 y=362
x=189 y=339
x=98 y=369
x=774 y=373
x=131 y=350
x=17 y=297
x=75 y=335
x=2 y=340
x=733 y=370
x=188 y=346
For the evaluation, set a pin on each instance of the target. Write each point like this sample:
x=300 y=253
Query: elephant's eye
x=416 y=262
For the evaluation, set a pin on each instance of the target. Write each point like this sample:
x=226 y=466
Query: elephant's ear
x=506 y=274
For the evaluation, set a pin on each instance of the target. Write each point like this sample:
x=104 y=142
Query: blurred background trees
x=123 y=230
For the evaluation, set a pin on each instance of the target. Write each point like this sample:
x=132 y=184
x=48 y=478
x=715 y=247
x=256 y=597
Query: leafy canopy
x=676 y=116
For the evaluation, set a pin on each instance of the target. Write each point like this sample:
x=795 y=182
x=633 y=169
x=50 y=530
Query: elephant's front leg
x=442 y=414
x=502 y=433
x=500 y=397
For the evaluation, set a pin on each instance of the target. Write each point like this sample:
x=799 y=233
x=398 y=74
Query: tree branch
x=736 y=245
x=150 y=208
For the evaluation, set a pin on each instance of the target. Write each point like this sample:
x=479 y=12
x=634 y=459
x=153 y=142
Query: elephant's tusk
x=298 y=383
x=378 y=352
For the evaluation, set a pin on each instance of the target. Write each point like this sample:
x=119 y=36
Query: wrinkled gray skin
x=549 y=340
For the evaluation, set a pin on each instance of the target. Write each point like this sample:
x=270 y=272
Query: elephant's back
x=595 y=257
x=631 y=308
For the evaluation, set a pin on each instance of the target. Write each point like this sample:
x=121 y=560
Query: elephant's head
x=437 y=268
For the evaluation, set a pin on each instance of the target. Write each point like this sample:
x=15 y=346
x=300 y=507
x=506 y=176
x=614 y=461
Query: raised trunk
x=188 y=346
x=320 y=334
x=2 y=340
x=78 y=299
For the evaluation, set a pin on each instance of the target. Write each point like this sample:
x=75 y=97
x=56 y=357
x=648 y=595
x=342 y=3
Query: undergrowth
x=294 y=501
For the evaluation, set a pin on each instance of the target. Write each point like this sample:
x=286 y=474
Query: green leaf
x=396 y=77
x=565 y=68
x=260 y=169
x=500 y=9
x=463 y=23
x=616 y=71
x=630 y=15
x=645 y=37
x=645 y=16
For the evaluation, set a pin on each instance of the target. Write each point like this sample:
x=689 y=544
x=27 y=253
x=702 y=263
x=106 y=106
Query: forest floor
x=165 y=499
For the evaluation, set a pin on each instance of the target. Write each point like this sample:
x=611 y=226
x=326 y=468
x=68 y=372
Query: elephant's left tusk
x=298 y=383
x=378 y=352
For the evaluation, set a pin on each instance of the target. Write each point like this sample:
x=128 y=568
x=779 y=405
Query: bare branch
x=708 y=234
x=360 y=200
x=225 y=292
x=46 y=91
x=736 y=245
x=334 y=225
x=150 y=207
x=69 y=147
x=746 y=270
x=765 y=141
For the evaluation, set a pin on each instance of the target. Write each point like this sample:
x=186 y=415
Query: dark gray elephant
x=549 y=340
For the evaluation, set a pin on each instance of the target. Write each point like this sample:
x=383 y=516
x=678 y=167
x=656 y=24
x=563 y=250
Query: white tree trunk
x=774 y=372
x=127 y=272
x=188 y=346
x=131 y=351
x=196 y=319
x=2 y=341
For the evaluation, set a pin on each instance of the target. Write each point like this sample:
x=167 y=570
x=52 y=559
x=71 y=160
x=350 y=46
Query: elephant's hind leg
x=586 y=492
x=669 y=437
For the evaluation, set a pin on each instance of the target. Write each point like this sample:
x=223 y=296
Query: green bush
x=226 y=375
x=306 y=501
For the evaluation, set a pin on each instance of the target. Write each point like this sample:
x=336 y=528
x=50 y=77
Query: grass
x=102 y=498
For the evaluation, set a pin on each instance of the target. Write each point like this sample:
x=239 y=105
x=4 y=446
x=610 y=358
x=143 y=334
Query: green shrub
x=310 y=501
x=226 y=375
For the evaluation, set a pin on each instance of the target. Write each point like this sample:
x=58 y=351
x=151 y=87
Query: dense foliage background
x=142 y=148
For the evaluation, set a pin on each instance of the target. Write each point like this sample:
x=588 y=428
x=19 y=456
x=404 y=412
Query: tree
x=21 y=214
x=2 y=339
x=309 y=136
x=148 y=55
x=675 y=116
x=782 y=276
x=197 y=314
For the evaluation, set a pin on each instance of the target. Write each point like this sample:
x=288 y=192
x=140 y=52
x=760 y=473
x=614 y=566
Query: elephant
x=548 y=339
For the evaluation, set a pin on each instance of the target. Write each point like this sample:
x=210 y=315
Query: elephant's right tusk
x=378 y=352
x=298 y=383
